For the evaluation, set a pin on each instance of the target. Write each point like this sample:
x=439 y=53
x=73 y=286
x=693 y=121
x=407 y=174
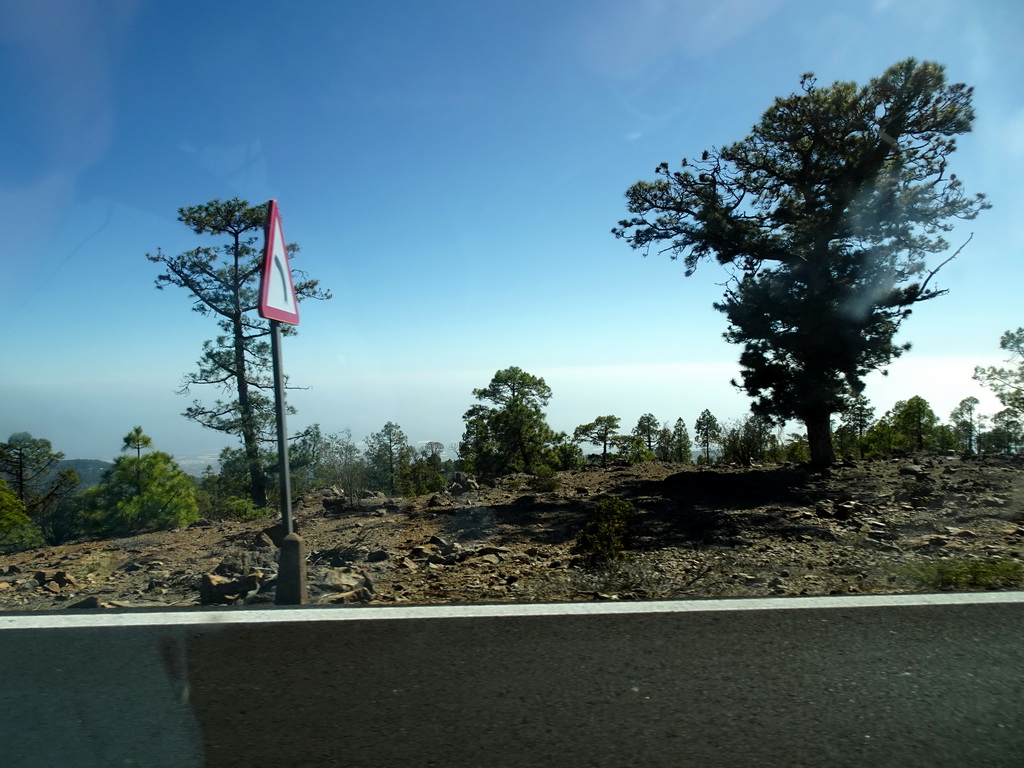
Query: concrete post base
x=291 y=572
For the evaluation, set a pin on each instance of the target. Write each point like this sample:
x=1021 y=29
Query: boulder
x=336 y=504
x=345 y=580
x=914 y=470
x=277 y=532
x=244 y=562
x=88 y=603
x=353 y=596
x=65 y=579
x=501 y=552
x=219 y=590
x=463 y=483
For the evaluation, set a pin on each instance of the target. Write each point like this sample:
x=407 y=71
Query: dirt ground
x=910 y=525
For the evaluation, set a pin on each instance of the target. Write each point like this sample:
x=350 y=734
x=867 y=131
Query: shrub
x=142 y=493
x=230 y=508
x=990 y=573
x=12 y=511
x=746 y=441
x=605 y=536
x=544 y=479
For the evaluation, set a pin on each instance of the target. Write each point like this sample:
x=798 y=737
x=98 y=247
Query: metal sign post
x=279 y=304
x=282 y=429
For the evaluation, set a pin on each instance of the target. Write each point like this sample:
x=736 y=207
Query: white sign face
x=277 y=292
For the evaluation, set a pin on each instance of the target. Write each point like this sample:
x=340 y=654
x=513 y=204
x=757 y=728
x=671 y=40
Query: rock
x=52 y=586
x=438 y=559
x=345 y=580
x=277 y=532
x=218 y=590
x=335 y=505
x=377 y=556
x=263 y=541
x=65 y=579
x=244 y=562
x=88 y=603
x=350 y=585
x=137 y=604
x=444 y=546
x=846 y=510
x=489 y=550
x=353 y=596
x=993 y=501
x=463 y=483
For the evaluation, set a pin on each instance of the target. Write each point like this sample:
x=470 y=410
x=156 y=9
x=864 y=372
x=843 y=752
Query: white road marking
x=282 y=615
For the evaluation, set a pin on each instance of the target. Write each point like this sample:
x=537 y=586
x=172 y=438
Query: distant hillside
x=90 y=471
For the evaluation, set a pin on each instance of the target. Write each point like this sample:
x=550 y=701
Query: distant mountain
x=90 y=471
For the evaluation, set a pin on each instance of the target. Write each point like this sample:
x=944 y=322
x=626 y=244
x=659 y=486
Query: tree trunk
x=819 y=438
x=250 y=438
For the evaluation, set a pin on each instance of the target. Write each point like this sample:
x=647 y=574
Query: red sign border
x=272 y=229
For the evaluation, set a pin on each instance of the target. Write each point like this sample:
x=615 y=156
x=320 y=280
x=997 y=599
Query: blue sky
x=451 y=171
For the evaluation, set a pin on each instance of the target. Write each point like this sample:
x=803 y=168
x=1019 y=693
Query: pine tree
x=682 y=447
x=223 y=281
x=511 y=434
x=825 y=214
x=708 y=432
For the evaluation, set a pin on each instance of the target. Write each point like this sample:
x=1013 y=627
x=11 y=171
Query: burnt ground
x=865 y=527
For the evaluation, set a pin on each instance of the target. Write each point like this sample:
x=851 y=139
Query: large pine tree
x=223 y=281
x=826 y=213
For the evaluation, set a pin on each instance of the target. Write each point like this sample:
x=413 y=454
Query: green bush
x=12 y=511
x=606 y=535
x=544 y=479
x=150 y=492
x=991 y=573
x=21 y=537
x=229 y=508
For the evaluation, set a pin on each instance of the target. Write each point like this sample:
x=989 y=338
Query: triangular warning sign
x=277 y=292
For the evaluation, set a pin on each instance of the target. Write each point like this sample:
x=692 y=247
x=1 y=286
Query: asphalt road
x=788 y=682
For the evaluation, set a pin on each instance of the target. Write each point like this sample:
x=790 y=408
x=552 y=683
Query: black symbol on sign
x=284 y=279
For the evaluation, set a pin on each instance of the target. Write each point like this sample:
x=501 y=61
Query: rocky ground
x=909 y=525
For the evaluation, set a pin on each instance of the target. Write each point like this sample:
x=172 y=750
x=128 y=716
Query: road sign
x=277 y=291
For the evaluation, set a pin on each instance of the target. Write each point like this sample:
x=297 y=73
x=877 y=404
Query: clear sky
x=451 y=171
